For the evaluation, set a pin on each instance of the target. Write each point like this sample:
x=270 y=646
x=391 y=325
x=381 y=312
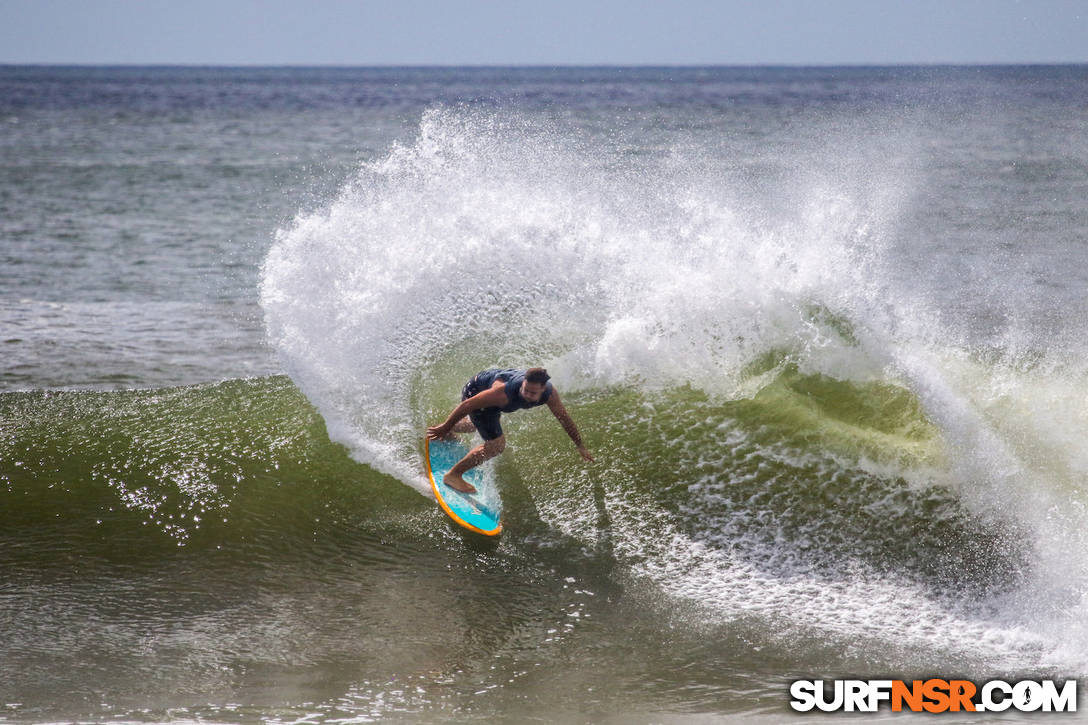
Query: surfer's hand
x=585 y=454
x=438 y=432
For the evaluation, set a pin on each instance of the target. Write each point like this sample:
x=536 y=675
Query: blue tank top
x=512 y=380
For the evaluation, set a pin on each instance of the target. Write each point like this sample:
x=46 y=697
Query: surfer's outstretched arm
x=494 y=396
x=556 y=407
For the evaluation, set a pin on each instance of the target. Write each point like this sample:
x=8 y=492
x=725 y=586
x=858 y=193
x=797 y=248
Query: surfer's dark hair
x=537 y=375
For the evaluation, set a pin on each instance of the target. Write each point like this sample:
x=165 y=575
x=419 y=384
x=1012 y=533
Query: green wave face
x=811 y=472
x=809 y=462
x=803 y=519
x=196 y=465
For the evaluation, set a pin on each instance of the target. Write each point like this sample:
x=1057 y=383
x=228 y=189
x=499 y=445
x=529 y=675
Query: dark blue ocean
x=825 y=330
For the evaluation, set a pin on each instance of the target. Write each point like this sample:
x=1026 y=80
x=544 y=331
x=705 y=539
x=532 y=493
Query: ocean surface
x=824 y=329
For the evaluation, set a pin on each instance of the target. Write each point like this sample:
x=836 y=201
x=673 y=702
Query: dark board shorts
x=486 y=420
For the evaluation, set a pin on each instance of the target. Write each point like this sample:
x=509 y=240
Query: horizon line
x=543 y=66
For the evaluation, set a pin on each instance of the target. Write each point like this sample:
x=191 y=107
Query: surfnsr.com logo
x=934 y=695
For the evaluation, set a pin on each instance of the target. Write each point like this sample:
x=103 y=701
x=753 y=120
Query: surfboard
x=478 y=512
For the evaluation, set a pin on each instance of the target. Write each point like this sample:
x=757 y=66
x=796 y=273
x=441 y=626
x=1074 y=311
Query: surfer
x=484 y=399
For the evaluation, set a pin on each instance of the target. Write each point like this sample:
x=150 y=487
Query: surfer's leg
x=486 y=451
x=463 y=426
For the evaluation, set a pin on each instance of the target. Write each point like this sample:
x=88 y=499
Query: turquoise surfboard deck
x=478 y=512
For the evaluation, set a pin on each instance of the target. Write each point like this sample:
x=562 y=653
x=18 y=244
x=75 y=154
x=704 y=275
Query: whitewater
x=491 y=240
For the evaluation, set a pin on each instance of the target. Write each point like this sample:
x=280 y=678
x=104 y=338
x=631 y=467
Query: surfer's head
x=537 y=375
x=536 y=381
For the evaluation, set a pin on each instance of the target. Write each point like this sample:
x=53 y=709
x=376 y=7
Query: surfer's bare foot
x=458 y=484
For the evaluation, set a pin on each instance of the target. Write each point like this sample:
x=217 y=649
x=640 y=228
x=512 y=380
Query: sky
x=543 y=32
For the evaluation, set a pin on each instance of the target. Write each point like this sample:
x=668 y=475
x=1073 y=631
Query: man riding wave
x=484 y=399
